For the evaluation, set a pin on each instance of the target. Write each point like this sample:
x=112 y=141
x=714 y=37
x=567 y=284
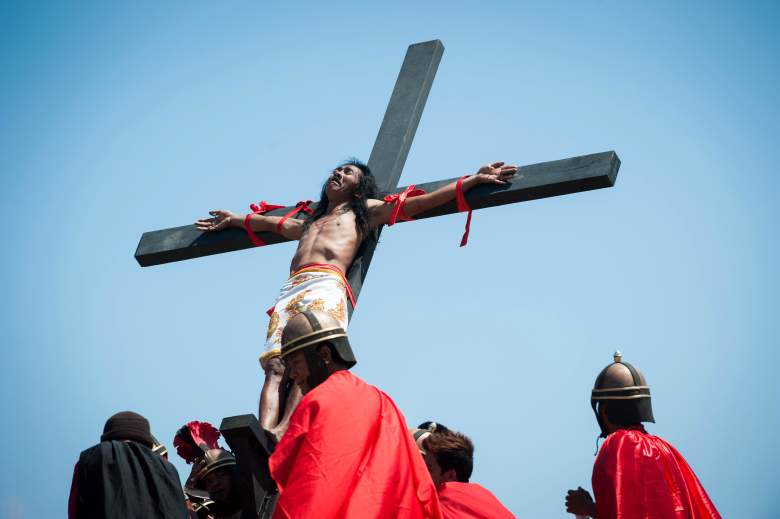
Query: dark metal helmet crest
x=311 y=327
x=623 y=390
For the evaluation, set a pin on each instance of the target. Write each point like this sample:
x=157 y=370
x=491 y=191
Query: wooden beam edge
x=607 y=165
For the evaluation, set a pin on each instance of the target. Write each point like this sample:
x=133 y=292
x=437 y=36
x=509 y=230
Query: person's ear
x=449 y=475
x=325 y=354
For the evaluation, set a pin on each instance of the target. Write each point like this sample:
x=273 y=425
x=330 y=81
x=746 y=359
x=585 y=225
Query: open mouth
x=336 y=181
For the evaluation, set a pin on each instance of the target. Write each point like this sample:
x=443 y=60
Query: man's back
x=470 y=501
x=640 y=476
x=347 y=454
x=125 y=480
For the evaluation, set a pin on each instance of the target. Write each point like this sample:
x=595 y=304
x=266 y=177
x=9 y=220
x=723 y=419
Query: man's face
x=343 y=181
x=434 y=468
x=299 y=370
x=218 y=484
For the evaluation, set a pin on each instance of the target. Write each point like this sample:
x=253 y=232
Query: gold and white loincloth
x=315 y=286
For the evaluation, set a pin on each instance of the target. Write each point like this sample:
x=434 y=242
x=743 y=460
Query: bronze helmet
x=212 y=460
x=624 y=393
x=159 y=448
x=311 y=327
x=420 y=435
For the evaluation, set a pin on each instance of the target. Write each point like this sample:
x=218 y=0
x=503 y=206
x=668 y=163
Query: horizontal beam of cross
x=543 y=180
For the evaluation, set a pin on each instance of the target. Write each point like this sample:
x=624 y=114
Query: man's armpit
x=379 y=211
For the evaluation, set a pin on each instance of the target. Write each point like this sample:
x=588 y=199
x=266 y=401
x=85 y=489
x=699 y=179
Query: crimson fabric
x=399 y=199
x=263 y=208
x=640 y=476
x=348 y=454
x=470 y=501
x=462 y=205
x=300 y=206
x=194 y=439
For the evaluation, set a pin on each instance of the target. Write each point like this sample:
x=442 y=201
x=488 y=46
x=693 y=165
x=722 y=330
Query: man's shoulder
x=473 y=497
x=344 y=389
x=344 y=380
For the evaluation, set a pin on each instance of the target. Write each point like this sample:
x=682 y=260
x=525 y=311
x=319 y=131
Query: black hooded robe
x=125 y=480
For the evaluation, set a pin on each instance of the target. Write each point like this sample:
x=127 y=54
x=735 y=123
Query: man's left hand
x=579 y=502
x=496 y=173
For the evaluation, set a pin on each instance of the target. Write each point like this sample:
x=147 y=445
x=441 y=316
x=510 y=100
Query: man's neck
x=337 y=206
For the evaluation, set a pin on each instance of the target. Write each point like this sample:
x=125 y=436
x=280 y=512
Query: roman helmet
x=623 y=391
x=420 y=435
x=310 y=328
x=159 y=448
x=211 y=460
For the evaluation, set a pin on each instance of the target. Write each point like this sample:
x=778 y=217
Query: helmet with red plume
x=194 y=439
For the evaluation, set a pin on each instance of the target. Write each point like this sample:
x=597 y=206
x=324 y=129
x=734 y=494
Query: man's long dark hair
x=365 y=189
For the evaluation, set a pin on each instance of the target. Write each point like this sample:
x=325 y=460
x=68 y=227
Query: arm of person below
x=579 y=503
x=292 y=228
x=496 y=173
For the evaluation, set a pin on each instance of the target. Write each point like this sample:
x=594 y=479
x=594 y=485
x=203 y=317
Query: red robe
x=348 y=454
x=470 y=501
x=640 y=476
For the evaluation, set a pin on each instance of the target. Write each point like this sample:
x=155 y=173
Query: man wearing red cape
x=449 y=456
x=636 y=475
x=347 y=452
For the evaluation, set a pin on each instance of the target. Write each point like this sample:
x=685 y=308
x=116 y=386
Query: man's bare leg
x=290 y=395
x=269 y=395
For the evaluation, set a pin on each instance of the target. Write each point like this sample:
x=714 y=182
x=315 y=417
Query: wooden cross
x=386 y=161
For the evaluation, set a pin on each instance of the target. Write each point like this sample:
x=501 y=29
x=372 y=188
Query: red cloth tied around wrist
x=399 y=199
x=460 y=201
x=263 y=208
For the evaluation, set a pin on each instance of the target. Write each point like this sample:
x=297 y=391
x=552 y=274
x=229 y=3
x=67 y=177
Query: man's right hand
x=579 y=502
x=220 y=220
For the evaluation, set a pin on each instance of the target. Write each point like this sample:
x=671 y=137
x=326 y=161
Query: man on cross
x=328 y=240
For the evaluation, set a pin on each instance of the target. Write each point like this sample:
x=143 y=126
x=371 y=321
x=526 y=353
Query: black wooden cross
x=386 y=161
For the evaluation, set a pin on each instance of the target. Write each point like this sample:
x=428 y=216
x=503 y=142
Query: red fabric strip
x=300 y=206
x=399 y=199
x=263 y=208
x=460 y=201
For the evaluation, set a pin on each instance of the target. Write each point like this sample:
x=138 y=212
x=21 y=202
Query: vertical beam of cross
x=386 y=161
x=251 y=448
x=396 y=135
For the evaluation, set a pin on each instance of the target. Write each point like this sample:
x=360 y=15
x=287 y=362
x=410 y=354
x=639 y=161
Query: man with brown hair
x=449 y=456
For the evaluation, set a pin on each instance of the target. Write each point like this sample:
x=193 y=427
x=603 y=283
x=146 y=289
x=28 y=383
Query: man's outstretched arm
x=496 y=173
x=291 y=229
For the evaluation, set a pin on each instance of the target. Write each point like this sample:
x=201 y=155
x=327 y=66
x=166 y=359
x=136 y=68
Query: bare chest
x=330 y=231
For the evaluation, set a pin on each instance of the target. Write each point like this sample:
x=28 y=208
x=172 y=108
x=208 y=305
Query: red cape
x=348 y=454
x=640 y=476
x=470 y=501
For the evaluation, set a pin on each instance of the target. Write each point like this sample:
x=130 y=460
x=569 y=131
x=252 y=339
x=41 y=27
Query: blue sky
x=118 y=119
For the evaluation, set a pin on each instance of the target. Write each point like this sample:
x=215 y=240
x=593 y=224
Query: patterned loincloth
x=315 y=286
